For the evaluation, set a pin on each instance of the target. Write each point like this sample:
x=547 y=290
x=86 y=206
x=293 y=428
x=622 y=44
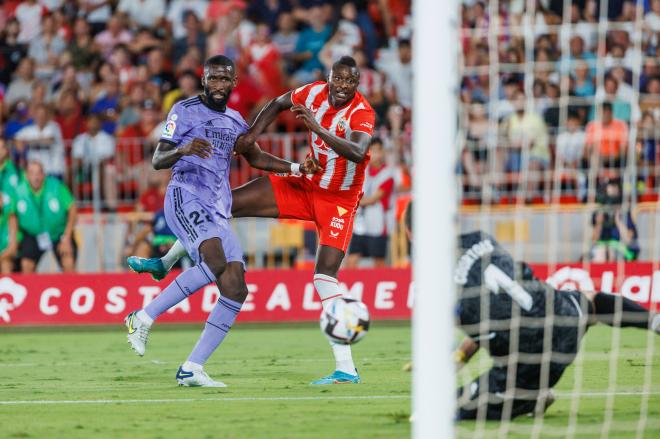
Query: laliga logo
x=18 y=294
x=571 y=279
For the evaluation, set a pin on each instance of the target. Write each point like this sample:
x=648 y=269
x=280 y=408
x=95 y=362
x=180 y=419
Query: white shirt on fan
x=44 y=145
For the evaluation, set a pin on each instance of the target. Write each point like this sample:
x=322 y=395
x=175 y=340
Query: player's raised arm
x=354 y=149
x=259 y=159
x=167 y=154
x=265 y=117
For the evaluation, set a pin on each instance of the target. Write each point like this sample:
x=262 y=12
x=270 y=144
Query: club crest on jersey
x=342 y=124
x=168 y=131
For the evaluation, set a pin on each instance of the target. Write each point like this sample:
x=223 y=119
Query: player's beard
x=218 y=104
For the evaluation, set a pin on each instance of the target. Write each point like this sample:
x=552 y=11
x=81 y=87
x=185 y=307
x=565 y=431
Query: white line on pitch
x=161 y=401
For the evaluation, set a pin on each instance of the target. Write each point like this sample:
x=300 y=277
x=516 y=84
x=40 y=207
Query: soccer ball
x=346 y=321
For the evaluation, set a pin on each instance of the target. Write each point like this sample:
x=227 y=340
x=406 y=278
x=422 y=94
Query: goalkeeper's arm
x=465 y=351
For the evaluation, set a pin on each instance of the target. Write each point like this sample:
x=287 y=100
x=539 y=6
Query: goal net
x=558 y=151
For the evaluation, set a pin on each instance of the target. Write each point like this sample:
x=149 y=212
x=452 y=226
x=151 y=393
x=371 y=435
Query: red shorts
x=332 y=212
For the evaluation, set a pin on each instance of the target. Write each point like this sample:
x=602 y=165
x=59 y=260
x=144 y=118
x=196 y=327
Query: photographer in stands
x=614 y=234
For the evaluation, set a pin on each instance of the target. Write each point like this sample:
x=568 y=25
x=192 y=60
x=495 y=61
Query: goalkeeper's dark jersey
x=497 y=297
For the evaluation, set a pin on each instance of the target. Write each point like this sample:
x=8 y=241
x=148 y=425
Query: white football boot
x=138 y=332
x=195 y=377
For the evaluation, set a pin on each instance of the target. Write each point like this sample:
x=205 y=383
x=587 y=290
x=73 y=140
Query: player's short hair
x=219 y=60
x=346 y=61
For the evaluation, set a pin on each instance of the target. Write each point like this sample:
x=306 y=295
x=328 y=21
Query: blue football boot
x=338 y=377
x=154 y=266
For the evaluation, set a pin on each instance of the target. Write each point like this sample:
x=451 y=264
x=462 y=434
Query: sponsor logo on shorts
x=334 y=234
x=337 y=223
x=341 y=211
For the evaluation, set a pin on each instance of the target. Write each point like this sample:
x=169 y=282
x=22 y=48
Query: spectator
x=621 y=109
x=69 y=116
x=143 y=13
x=571 y=153
x=310 y=42
x=345 y=40
x=115 y=34
x=474 y=157
x=46 y=217
x=399 y=74
x=264 y=63
x=29 y=15
x=607 y=140
x=176 y=14
x=527 y=139
x=285 y=39
x=614 y=234
x=46 y=48
x=268 y=11
x=107 y=102
x=21 y=86
x=648 y=146
x=122 y=63
x=132 y=104
x=19 y=117
x=133 y=147
x=153 y=198
x=42 y=141
x=84 y=54
x=94 y=149
x=97 y=13
x=579 y=53
x=157 y=72
x=372 y=84
x=373 y=218
x=583 y=85
x=188 y=87
x=9 y=235
x=194 y=36
x=9 y=174
x=11 y=50
x=232 y=33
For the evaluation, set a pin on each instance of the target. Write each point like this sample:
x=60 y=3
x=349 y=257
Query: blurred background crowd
x=85 y=85
x=554 y=105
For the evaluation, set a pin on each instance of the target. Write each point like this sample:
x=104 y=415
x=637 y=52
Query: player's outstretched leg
x=616 y=310
x=206 y=271
x=328 y=289
x=221 y=319
x=139 y=322
x=157 y=267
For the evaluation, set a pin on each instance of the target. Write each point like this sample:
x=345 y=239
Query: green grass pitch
x=268 y=368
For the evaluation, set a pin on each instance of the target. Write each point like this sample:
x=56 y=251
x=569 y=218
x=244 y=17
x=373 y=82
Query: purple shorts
x=194 y=221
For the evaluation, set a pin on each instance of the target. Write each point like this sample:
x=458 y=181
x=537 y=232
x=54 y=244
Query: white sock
x=191 y=367
x=144 y=317
x=328 y=288
x=174 y=254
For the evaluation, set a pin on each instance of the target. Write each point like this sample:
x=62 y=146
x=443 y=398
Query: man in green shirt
x=9 y=175
x=9 y=235
x=46 y=216
x=8 y=232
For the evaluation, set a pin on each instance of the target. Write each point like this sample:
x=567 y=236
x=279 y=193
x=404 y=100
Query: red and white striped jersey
x=339 y=173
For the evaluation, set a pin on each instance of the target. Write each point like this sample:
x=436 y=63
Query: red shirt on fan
x=339 y=173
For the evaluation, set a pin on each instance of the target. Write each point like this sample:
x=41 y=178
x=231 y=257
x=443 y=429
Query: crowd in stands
x=85 y=84
x=574 y=102
x=546 y=108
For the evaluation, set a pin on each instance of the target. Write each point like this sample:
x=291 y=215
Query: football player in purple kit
x=197 y=143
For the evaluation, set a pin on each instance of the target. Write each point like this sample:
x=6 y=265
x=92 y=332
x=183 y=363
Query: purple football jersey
x=207 y=178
